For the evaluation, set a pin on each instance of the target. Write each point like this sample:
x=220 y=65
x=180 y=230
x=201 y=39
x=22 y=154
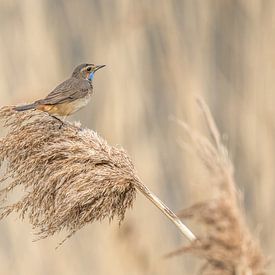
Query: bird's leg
x=62 y=123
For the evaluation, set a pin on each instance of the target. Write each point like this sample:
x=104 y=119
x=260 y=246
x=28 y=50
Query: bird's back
x=70 y=90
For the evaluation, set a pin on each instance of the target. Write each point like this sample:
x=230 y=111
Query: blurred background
x=159 y=54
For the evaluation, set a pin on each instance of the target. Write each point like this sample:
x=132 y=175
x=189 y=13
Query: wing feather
x=68 y=91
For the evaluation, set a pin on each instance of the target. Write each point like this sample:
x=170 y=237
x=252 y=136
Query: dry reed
x=70 y=176
x=226 y=243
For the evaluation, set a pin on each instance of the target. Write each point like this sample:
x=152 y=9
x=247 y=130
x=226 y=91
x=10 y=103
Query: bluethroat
x=69 y=96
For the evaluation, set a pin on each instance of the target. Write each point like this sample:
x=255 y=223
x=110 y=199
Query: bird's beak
x=98 y=67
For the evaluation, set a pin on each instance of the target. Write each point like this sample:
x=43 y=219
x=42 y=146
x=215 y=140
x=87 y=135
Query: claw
x=62 y=123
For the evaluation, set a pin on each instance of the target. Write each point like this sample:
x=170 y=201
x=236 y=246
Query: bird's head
x=86 y=71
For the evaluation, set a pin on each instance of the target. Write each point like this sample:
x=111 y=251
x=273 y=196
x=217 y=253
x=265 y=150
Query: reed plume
x=226 y=244
x=70 y=176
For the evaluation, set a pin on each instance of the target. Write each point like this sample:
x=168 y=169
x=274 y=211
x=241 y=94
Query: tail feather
x=25 y=107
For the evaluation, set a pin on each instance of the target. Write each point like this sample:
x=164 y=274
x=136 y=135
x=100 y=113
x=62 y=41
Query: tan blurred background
x=159 y=55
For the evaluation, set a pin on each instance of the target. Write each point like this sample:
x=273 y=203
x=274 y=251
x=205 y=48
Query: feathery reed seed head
x=226 y=244
x=71 y=176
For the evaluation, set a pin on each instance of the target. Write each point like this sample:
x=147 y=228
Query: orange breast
x=64 y=109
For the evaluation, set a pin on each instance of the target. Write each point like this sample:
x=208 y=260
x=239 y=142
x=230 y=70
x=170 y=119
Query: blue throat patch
x=91 y=76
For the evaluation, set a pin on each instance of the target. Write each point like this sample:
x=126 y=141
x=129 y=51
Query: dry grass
x=226 y=244
x=70 y=176
x=159 y=54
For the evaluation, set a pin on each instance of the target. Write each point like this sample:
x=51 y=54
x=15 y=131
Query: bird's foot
x=61 y=122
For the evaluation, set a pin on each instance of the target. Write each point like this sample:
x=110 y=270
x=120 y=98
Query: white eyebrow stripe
x=85 y=68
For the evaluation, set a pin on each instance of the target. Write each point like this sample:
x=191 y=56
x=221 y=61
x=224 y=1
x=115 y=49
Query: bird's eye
x=89 y=69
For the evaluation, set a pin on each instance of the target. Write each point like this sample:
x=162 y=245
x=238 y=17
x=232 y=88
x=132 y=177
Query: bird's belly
x=67 y=108
x=80 y=103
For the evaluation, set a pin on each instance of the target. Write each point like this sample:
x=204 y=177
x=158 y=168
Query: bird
x=69 y=96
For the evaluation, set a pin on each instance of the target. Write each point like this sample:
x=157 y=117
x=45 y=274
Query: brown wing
x=69 y=90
